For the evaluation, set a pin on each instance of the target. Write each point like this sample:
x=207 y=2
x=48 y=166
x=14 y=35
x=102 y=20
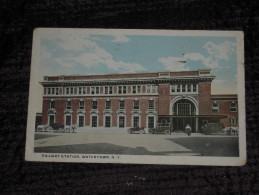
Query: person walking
x=188 y=129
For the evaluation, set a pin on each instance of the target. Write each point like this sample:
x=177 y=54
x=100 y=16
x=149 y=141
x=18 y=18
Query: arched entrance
x=184 y=111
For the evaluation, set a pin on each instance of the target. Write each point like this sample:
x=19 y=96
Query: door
x=107 y=121
x=81 y=121
x=121 y=121
x=51 y=120
x=68 y=120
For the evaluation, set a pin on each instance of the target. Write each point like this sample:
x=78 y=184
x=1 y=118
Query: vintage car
x=136 y=130
x=161 y=128
x=43 y=128
x=57 y=127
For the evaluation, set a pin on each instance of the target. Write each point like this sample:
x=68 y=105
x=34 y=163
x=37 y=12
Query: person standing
x=188 y=129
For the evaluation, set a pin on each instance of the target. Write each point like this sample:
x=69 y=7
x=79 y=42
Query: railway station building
x=137 y=100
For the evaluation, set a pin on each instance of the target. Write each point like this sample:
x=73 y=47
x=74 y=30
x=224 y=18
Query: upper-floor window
x=233 y=107
x=194 y=87
x=48 y=90
x=136 y=89
x=215 y=107
x=97 y=90
x=150 y=104
x=151 y=89
x=94 y=106
x=233 y=121
x=52 y=104
x=56 y=91
x=68 y=105
x=108 y=105
x=122 y=89
x=79 y=90
x=71 y=90
x=53 y=91
x=184 y=88
x=189 y=88
x=81 y=104
x=136 y=104
x=67 y=90
x=173 y=88
x=84 y=90
x=122 y=104
x=178 y=88
x=108 y=90
x=92 y=90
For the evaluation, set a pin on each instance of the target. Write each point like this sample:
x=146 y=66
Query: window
x=56 y=91
x=81 y=104
x=68 y=120
x=53 y=91
x=233 y=121
x=69 y=105
x=173 y=88
x=183 y=88
x=233 y=107
x=119 y=90
x=92 y=90
x=151 y=122
x=84 y=90
x=189 y=88
x=154 y=89
x=106 y=90
x=110 y=90
x=94 y=121
x=215 y=107
x=81 y=120
x=122 y=105
x=107 y=121
x=136 y=121
x=48 y=90
x=71 y=90
x=134 y=89
x=150 y=104
x=178 y=88
x=148 y=88
x=124 y=89
x=194 y=88
x=97 y=90
x=139 y=88
x=67 y=90
x=79 y=90
x=136 y=104
x=108 y=105
x=94 y=105
x=52 y=105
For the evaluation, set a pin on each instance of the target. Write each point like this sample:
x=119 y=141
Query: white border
x=137 y=159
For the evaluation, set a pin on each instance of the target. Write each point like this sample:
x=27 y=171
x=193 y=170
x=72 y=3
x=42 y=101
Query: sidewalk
x=101 y=130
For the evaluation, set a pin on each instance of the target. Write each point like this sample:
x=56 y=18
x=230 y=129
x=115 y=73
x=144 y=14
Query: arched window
x=184 y=108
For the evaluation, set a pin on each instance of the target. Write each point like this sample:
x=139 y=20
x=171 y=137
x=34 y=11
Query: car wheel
x=167 y=132
x=150 y=131
x=142 y=131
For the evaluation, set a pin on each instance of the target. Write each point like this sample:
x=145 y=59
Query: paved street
x=136 y=144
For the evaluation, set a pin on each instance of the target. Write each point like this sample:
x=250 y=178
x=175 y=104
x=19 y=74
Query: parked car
x=136 y=130
x=57 y=127
x=161 y=128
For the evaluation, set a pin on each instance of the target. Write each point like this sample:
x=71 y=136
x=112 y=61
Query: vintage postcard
x=137 y=96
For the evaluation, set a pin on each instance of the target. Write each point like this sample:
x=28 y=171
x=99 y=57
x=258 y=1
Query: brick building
x=139 y=99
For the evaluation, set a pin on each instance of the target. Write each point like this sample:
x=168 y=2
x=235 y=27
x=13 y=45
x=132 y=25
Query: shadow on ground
x=42 y=136
x=210 y=146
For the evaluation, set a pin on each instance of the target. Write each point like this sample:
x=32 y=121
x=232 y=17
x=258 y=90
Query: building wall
x=205 y=98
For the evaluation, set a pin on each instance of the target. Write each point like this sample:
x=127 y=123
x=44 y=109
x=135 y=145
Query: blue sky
x=84 y=54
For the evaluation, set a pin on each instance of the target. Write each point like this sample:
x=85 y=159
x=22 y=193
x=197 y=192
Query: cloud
x=120 y=38
x=215 y=53
x=80 y=50
x=173 y=63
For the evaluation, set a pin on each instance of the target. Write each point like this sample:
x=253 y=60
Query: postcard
x=172 y=97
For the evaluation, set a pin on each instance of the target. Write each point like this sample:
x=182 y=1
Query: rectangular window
x=81 y=121
x=122 y=105
x=106 y=90
x=136 y=121
x=139 y=89
x=136 y=104
x=108 y=105
x=79 y=90
x=178 y=88
x=151 y=122
x=67 y=90
x=110 y=90
x=119 y=90
x=84 y=90
x=48 y=90
x=134 y=89
x=53 y=91
x=173 y=88
x=233 y=107
x=121 y=121
x=92 y=90
x=215 y=107
x=148 y=88
x=71 y=90
x=81 y=104
x=94 y=121
x=68 y=120
x=52 y=105
x=183 y=88
x=233 y=121
x=154 y=89
x=97 y=90
x=150 y=104
x=124 y=89
x=194 y=88
x=56 y=91
x=69 y=105
x=107 y=121
x=94 y=105
x=189 y=88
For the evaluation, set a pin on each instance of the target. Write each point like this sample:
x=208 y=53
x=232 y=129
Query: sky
x=88 y=54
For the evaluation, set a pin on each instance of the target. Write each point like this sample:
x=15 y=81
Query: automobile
x=161 y=128
x=57 y=127
x=136 y=130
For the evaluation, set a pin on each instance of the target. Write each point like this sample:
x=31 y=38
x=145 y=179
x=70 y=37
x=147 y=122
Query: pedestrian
x=188 y=129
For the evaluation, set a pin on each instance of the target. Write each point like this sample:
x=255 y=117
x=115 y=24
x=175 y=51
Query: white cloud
x=120 y=38
x=173 y=63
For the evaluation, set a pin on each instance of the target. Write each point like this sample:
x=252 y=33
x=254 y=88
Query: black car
x=57 y=127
